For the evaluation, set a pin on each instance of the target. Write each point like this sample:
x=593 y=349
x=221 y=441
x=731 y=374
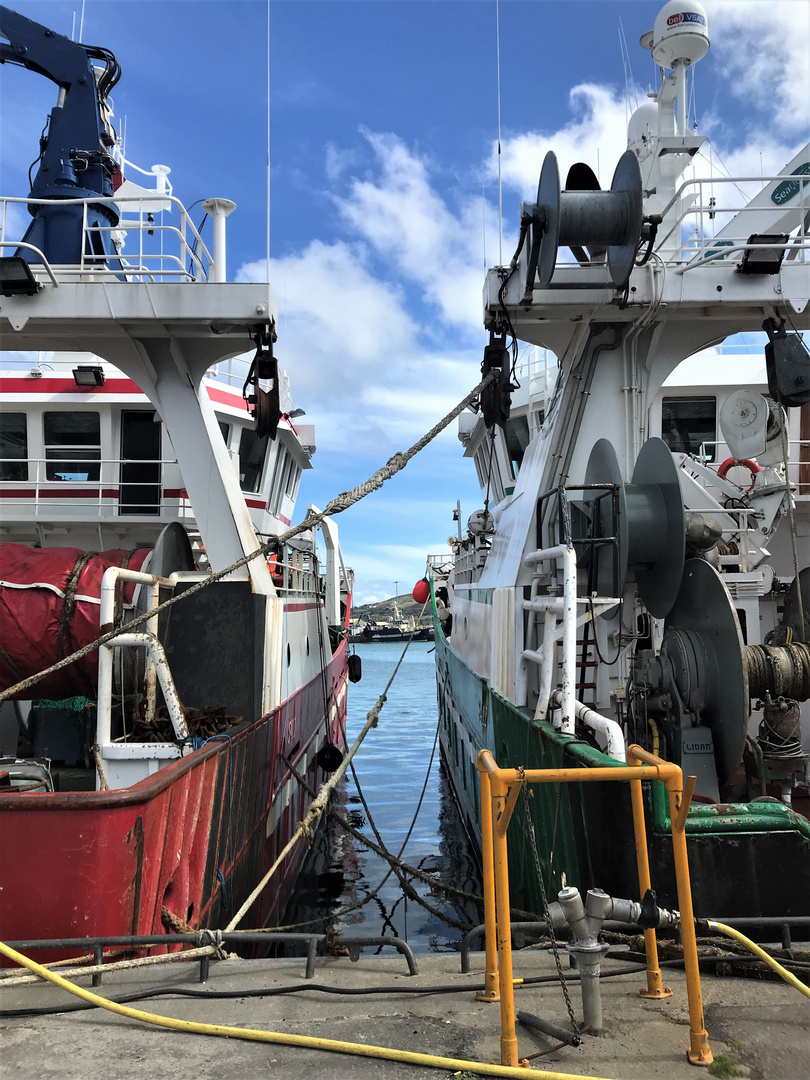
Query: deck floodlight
x=767 y=257
x=88 y=375
x=16 y=278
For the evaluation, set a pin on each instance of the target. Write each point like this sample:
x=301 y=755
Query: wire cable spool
x=780 y=670
x=585 y=218
x=651 y=527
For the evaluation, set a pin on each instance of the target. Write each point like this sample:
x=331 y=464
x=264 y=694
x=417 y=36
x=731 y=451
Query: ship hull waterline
x=194 y=838
x=746 y=860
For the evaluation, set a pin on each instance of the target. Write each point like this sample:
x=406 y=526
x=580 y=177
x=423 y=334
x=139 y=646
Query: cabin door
x=140 y=481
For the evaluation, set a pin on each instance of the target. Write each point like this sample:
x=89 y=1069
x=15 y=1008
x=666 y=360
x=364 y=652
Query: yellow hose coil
x=358 y=1049
x=729 y=931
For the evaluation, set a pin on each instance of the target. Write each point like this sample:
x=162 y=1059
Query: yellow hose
x=729 y=931
x=359 y=1049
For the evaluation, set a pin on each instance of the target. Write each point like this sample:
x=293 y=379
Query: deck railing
x=712 y=455
x=694 y=231
x=689 y=239
x=35 y=486
x=160 y=249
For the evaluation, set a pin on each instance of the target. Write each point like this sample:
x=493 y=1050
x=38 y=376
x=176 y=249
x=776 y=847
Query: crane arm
x=75 y=159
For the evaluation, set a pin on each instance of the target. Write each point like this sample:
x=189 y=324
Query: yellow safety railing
x=500 y=789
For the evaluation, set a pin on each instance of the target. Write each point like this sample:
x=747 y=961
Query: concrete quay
x=762 y=1028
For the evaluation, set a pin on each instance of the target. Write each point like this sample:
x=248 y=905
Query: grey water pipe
x=586 y=920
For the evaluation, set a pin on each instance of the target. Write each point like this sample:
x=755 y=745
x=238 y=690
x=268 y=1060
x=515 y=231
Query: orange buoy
x=421 y=591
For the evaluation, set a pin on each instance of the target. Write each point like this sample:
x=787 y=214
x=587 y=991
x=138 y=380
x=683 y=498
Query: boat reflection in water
x=340 y=873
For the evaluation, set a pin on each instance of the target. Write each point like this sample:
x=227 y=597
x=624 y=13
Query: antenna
x=81 y=23
x=629 y=83
x=267 y=226
x=500 y=184
x=484 y=207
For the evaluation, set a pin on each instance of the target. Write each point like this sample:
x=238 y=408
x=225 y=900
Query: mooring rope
x=321 y=800
x=340 y=503
x=316 y=809
x=14 y=977
x=304 y=828
x=380 y=850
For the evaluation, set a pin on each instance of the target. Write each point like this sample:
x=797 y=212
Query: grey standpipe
x=586 y=920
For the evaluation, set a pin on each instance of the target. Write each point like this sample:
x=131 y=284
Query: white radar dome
x=680 y=34
x=643 y=125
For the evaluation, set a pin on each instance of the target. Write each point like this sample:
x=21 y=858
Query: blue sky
x=384 y=199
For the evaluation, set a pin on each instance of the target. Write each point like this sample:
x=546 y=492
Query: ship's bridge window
x=687 y=423
x=13 y=446
x=280 y=477
x=226 y=431
x=72 y=446
x=292 y=480
x=251 y=459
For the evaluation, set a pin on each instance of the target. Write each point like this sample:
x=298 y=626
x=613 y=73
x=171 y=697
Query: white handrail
x=30 y=247
x=171 y=265
x=157 y=665
x=567 y=607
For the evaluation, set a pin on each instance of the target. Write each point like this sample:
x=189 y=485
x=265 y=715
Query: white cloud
x=356 y=357
x=401 y=215
x=597 y=135
x=763 y=50
x=339 y=160
x=331 y=308
x=377 y=568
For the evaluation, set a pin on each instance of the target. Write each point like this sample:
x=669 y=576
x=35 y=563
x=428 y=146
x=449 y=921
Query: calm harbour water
x=391 y=767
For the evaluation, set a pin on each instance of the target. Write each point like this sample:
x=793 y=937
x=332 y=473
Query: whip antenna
x=500 y=185
x=267 y=212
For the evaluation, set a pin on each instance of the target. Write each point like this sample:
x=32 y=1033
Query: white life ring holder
x=747 y=463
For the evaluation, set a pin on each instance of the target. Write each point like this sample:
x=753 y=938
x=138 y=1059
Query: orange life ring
x=747 y=463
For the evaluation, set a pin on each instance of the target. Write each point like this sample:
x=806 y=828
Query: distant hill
x=383 y=611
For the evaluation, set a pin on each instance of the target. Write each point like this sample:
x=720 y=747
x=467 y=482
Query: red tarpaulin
x=49 y=607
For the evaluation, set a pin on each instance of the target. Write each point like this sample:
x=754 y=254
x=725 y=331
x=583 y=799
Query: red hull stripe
x=35 y=387
x=46 y=385
x=58 y=493
x=222 y=397
x=257 y=504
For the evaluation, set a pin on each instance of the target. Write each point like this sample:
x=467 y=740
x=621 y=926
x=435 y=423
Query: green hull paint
x=738 y=854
